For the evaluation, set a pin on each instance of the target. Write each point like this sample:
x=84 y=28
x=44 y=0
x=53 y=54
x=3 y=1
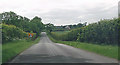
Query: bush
x=11 y=32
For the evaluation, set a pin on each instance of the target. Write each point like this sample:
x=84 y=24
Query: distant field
x=11 y=49
x=105 y=50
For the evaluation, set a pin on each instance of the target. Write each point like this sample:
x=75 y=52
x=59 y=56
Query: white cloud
x=61 y=12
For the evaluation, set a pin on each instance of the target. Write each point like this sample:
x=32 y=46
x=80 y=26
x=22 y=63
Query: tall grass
x=61 y=32
x=11 y=49
x=65 y=35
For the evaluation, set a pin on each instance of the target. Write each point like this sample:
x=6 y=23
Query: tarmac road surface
x=47 y=51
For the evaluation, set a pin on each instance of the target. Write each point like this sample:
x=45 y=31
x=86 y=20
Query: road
x=48 y=52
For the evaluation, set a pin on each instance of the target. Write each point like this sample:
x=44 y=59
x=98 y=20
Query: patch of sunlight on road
x=61 y=44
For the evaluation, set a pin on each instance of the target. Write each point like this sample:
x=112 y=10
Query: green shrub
x=11 y=32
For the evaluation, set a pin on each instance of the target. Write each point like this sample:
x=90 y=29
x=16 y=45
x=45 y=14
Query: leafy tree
x=38 y=25
x=17 y=25
x=49 y=27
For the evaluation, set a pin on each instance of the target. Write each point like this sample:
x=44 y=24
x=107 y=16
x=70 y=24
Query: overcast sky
x=62 y=12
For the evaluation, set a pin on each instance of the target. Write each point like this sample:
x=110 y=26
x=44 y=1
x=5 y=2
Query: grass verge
x=11 y=49
x=105 y=50
x=0 y=53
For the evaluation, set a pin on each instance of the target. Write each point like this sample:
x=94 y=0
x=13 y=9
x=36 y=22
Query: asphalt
x=47 y=51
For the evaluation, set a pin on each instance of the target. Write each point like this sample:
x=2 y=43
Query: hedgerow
x=11 y=32
x=102 y=32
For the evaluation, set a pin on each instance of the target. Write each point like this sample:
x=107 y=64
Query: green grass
x=105 y=50
x=11 y=49
x=0 y=54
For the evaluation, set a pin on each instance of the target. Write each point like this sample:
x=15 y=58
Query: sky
x=119 y=9
x=63 y=12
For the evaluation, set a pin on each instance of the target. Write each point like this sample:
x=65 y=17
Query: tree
x=27 y=25
x=49 y=27
x=38 y=25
